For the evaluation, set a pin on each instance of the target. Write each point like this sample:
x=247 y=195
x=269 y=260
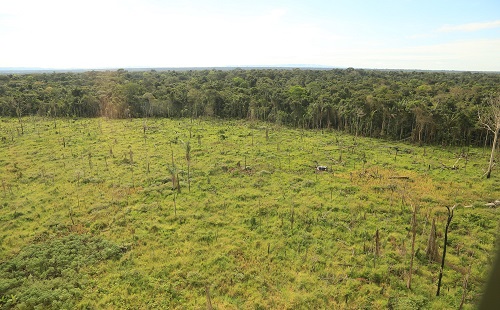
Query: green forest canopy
x=423 y=106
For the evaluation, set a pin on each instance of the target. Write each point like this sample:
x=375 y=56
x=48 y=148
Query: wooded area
x=421 y=106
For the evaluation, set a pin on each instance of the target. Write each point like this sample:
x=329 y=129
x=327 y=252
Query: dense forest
x=424 y=107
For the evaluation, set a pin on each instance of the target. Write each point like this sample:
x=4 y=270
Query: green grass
x=259 y=226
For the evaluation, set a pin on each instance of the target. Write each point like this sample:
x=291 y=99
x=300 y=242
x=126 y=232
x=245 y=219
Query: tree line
x=420 y=106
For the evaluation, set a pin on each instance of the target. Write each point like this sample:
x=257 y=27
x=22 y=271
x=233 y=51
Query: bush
x=408 y=302
x=45 y=274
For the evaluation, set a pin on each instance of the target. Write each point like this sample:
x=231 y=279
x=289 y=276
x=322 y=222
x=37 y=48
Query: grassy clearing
x=252 y=222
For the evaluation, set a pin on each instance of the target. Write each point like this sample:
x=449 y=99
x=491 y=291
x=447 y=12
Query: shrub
x=45 y=274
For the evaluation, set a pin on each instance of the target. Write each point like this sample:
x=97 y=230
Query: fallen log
x=400 y=177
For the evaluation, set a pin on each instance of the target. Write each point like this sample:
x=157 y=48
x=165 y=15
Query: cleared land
x=162 y=213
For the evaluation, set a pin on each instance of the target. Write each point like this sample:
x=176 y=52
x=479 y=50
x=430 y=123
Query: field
x=183 y=213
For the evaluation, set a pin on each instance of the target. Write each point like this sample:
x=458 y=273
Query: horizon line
x=4 y=70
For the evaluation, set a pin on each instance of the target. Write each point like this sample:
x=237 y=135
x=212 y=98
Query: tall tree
x=19 y=108
x=490 y=119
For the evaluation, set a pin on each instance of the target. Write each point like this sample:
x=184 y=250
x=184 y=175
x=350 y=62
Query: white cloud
x=470 y=26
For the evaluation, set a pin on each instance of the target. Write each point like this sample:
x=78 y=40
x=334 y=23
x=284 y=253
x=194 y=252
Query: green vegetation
x=424 y=107
x=170 y=213
x=47 y=274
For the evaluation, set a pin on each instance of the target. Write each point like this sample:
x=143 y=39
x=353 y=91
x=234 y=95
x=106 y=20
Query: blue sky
x=383 y=34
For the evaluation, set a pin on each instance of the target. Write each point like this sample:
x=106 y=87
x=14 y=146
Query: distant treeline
x=425 y=107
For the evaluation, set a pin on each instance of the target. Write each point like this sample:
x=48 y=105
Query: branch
x=484 y=123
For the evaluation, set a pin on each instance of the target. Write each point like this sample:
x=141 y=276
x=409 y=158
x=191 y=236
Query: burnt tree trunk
x=450 y=217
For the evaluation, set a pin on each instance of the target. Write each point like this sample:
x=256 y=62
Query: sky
x=380 y=34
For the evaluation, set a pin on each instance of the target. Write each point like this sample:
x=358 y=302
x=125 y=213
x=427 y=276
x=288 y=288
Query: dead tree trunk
x=450 y=217
x=175 y=205
x=414 y=233
x=178 y=184
x=209 y=301
x=377 y=248
x=491 y=121
x=19 y=113
x=464 y=294
x=492 y=156
x=432 y=249
x=188 y=159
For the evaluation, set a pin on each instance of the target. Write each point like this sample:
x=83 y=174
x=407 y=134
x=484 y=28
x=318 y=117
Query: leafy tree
x=429 y=107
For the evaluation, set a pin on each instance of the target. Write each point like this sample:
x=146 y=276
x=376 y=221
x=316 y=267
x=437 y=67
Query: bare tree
x=16 y=104
x=450 y=217
x=432 y=248
x=490 y=119
x=464 y=294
